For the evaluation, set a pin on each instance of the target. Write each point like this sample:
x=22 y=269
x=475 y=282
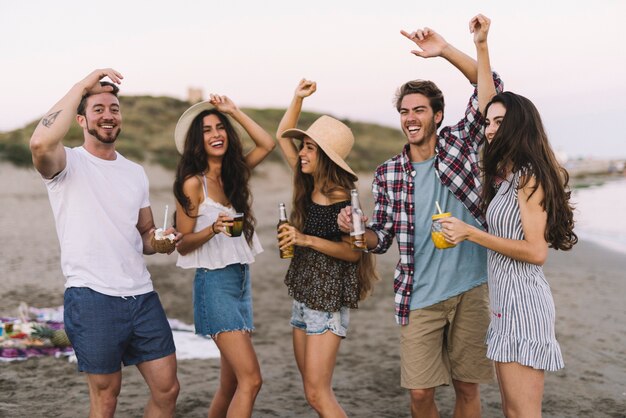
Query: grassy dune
x=148 y=129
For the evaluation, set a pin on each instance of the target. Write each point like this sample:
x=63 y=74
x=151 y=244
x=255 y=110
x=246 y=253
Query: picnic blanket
x=17 y=342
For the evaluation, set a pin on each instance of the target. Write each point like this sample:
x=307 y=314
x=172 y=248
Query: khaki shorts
x=447 y=341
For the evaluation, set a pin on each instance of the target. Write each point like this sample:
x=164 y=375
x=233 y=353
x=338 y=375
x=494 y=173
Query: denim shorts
x=107 y=331
x=318 y=322
x=222 y=300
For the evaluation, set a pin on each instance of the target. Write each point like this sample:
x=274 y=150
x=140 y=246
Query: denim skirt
x=222 y=300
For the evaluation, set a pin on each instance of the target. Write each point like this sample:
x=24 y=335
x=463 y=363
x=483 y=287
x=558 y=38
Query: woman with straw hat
x=211 y=186
x=325 y=278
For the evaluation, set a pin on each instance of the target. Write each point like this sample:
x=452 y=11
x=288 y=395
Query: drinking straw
x=438 y=207
x=165 y=218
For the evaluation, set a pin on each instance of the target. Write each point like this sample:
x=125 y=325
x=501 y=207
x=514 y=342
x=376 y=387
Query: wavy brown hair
x=334 y=182
x=425 y=88
x=235 y=172
x=521 y=143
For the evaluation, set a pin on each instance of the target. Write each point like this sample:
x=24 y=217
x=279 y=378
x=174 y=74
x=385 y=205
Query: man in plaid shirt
x=441 y=295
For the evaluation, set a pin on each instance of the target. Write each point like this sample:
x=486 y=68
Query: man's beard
x=426 y=135
x=104 y=139
x=429 y=130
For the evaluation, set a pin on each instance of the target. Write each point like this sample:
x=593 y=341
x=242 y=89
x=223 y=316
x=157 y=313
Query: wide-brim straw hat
x=331 y=135
x=184 y=123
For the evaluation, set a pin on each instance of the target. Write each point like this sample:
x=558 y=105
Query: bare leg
x=299 y=346
x=467 y=400
x=320 y=356
x=522 y=389
x=423 y=403
x=103 y=392
x=160 y=375
x=225 y=392
x=503 y=400
x=242 y=373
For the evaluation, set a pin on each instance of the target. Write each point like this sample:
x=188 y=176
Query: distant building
x=617 y=167
x=594 y=166
x=194 y=95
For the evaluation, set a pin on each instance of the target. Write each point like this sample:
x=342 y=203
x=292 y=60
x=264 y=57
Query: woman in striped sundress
x=527 y=205
x=528 y=210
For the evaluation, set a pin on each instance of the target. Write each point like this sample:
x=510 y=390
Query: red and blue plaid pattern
x=456 y=164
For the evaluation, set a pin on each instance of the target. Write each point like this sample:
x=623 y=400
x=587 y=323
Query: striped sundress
x=522 y=309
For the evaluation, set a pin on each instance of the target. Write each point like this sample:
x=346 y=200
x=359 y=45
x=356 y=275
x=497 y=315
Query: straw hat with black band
x=331 y=135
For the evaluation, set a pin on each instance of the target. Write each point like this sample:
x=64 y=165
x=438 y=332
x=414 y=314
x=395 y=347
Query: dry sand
x=588 y=285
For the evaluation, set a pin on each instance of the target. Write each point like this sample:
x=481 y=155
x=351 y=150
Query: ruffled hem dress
x=522 y=308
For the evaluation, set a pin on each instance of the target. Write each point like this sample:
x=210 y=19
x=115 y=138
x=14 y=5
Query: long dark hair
x=334 y=181
x=235 y=172
x=522 y=144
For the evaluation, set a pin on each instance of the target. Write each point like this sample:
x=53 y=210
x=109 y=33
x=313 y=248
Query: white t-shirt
x=96 y=207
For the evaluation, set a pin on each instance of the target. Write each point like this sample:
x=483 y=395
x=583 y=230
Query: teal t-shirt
x=441 y=274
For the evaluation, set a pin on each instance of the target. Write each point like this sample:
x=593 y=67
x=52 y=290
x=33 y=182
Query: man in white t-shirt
x=104 y=222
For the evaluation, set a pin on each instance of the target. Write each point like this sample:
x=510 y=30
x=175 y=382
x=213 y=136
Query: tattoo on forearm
x=49 y=120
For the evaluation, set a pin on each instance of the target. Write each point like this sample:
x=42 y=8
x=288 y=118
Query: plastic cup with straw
x=436 y=233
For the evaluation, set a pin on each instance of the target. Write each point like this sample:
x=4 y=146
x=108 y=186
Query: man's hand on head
x=91 y=83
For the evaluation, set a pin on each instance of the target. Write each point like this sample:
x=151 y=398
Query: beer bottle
x=357 y=227
x=282 y=219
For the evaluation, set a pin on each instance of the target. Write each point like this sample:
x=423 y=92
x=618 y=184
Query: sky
x=568 y=57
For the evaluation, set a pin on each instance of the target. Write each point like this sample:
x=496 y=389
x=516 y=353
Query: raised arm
x=479 y=26
x=46 y=142
x=304 y=89
x=432 y=44
x=264 y=144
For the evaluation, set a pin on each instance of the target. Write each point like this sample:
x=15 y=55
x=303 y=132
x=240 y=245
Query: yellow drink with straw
x=436 y=233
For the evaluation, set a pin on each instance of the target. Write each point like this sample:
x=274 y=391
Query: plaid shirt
x=456 y=164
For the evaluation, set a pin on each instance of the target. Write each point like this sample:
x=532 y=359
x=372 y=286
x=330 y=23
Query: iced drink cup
x=435 y=232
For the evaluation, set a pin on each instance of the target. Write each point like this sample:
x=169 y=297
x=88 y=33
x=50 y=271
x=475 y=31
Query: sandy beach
x=588 y=286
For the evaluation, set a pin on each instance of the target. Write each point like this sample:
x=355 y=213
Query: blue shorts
x=318 y=322
x=222 y=300
x=107 y=331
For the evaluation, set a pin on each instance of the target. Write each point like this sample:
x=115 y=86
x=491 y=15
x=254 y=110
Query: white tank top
x=221 y=250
